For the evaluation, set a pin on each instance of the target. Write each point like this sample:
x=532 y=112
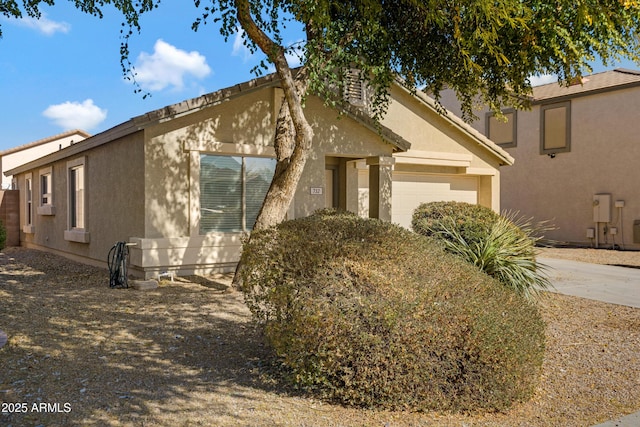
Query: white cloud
x=239 y=48
x=45 y=25
x=543 y=79
x=169 y=66
x=76 y=115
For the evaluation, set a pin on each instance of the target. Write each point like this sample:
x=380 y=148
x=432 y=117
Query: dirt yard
x=186 y=354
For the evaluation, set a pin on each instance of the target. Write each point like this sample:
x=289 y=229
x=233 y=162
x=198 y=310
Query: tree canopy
x=484 y=50
x=475 y=47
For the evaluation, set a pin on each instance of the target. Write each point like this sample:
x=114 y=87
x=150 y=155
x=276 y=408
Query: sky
x=63 y=71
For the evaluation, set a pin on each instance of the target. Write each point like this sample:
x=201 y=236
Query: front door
x=332 y=187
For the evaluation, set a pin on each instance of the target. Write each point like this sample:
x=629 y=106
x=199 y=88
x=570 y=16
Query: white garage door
x=411 y=189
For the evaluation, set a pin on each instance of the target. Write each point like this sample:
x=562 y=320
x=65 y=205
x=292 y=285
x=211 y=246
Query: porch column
x=380 y=168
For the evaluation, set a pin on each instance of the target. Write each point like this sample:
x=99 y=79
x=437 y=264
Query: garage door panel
x=411 y=189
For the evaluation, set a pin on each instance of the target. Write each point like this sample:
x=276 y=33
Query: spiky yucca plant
x=507 y=252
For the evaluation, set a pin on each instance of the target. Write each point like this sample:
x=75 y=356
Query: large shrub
x=370 y=314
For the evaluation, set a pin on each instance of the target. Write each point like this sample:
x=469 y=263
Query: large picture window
x=232 y=189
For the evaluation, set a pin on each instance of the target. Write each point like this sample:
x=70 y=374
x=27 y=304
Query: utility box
x=602 y=208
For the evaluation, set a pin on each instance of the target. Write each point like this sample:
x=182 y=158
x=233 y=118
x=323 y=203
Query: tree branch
x=276 y=55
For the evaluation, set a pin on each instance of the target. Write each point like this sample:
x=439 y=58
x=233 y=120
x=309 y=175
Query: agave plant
x=507 y=253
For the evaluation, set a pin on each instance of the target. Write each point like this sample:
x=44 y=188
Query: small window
x=555 y=136
x=27 y=226
x=28 y=193
x=503 y=131
x=45 y=204
x=45 y=189
x=232 y=190
x=76 y=197
x=77 y=202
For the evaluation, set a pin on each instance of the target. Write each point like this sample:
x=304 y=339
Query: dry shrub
x=369 y=314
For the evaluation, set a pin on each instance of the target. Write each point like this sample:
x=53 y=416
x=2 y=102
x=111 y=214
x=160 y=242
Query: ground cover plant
x=369 y=314
x=502 y=246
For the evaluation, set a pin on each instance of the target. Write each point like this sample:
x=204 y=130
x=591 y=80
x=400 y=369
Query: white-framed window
x=45 y=189
x=555 y=136
x=502 y=131
x=232 y=190
x=45 y=203
x=76 y=201
x=76 y=197
x=28 y=204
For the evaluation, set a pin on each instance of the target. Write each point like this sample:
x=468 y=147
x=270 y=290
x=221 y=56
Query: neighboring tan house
x=185 y=182
x=577 y=155
x=17 y=156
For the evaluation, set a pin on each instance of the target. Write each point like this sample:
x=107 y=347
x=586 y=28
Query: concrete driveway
x=612 y=284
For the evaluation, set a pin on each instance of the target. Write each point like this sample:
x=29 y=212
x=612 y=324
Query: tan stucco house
x=185 y=182
x=577 y=153
x=22 y=154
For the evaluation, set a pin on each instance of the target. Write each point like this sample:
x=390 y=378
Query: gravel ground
x=186 y=354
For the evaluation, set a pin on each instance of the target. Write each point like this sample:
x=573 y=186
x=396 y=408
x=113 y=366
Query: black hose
x=117 y=261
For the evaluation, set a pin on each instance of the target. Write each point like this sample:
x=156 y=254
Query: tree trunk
x=293 y=132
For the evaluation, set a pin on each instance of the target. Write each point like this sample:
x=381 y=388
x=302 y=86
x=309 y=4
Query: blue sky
x=63 y=71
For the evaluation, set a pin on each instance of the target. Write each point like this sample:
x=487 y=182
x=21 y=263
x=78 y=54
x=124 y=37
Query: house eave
x=504 y=158
x=119 y=131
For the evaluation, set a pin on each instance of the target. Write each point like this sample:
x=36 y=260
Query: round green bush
x=370 y=314
x=473 y=222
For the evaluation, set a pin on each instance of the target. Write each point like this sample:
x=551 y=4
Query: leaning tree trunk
x=293 y=132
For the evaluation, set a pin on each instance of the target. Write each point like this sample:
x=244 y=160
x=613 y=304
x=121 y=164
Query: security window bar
x=232 y=190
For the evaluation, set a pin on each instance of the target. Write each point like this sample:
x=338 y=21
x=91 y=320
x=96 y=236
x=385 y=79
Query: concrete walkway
x=612 y=284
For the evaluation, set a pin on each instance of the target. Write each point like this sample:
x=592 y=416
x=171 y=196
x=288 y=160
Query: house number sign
x=316 y=190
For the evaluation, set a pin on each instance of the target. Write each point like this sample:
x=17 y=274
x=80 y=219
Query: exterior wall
x=440 y=148
x=240 y=126
x=603 y=159
x=114 y=193
x=144 y=188
x=17 y=157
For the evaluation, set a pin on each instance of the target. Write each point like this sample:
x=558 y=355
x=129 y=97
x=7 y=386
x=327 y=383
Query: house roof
x=190 y=106
x=482 y=140
x=33 y=144
x=620 y=78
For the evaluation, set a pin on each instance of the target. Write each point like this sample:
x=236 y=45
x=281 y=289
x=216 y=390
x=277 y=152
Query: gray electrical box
x=602 y=208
